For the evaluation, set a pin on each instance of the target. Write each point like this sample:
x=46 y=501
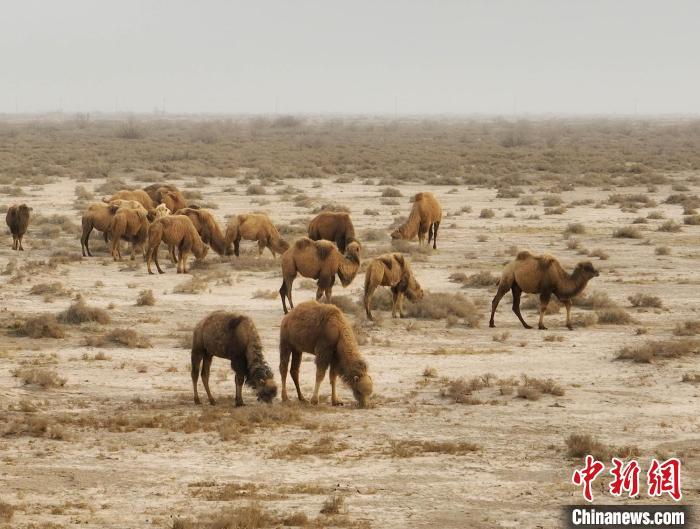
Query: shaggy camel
x=99 y=216
x=319 y=260
x=325 y=332
x=166 y=194
x=332 y=226
x=17 y=220
x=130 y=225
x=543 y=275
x=176 y=231
x=208 y=229
x=162 y=211
x=391 y=270
x=255 y=227
x=425 y=216
x=138 y=195
x=234 y=337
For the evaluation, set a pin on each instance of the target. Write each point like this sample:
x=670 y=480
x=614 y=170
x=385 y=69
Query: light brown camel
x=325 y=332
x=208 y=229
x=319 y=260
x=176 y=231
x=138 y=195
x=391 y=270
x=166 y=194
x=332 y=226
x=233 y=337
x=17 y=219
x=543 y=275
x=255 y=227
x=425 y=217
x=130 y=225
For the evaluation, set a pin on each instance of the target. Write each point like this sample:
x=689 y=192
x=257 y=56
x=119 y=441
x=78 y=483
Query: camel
x=137 y=194
x=543 y=275
x=176 y=231
x=234 y=337
x=166 y=194
x=332 y=226
x=162 y=211
x=130 y=225
x=99 y=216
x=208 y=229
x=319 y=260
x=255 y=227
x=391 y=270
x=325 y=332
x=425 y=216
x=17 y=220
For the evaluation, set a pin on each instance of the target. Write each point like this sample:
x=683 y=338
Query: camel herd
x=159 y=213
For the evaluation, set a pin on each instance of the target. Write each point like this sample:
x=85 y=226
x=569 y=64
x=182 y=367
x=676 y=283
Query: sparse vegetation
x=120 y=337
x=46 y=378
x=79 y=313
x=146 y=298
x=645 y=300
x=581 y=445
x=487 y=213
x=659 y=350
x=628 y=232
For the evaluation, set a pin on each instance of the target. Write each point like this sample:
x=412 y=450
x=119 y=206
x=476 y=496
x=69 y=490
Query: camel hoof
x=493 y=325
x=527 y=326
x=402 y=316
x=338 y=403
x=150 y=272
x=160 y=272
x=239 y=404
x=542 y=327
x=197 y=401
x=314 y=401
x=570 y=327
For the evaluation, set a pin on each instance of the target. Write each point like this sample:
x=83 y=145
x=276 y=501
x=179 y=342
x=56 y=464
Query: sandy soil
x=133 y=451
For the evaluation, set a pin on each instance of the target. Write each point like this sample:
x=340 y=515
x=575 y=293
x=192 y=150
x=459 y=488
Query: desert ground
x=470 y=426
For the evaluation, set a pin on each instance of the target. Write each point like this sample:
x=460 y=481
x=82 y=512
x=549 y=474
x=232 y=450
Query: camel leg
x=206 y=366
x=155 y=257
x=430 y=233
x=262 y=244
x=394 y=301
x=196 y=361
x=544 y=301
x=286 y=294
x=367 y=300
x=296 y=364
x=517 y=291
x=239 y=386
x=285 y=353
x=502 y=289
x=320 y=375
x=21 y=248
x=333 y=376
x=236 y=246
x=14 y=243
x=400 y=304
x=84 y=241
x=184 y=255
x=567 y=305
x=435 y=230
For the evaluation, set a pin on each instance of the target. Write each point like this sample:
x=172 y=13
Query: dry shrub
x=120 y=337
x=346 y=304
x=46 y=378
x=7 y=511
x=628 y=232
x=560 y=210
x=146 y=298
x=581 y=445
x=414 y=447
x=373 y=234
x=594 y=300
x=576 y=228
x=430 y=372
x=632 y=202
x=552 y=201
x=691 y=220
x=42 y=326
x=691 y=378
x=481 y=279
x=195 y=285
x=639 y=220
x=49 y=290
x=527 y=201
x=544 y=386
x=670 y=226
x=662 y=250
x=687 y=328
x=79 y=313
x=614 y=316
x=458 y=277
x=584 y=320
x=391 y=192
x=250 y=516
x=325 y=445
x=333 y=505
x=487 y=213
x=600 y=254
x=265 y=294
x=331 y=206
x=30 y=425
x=256 y=189
x=371 y=212
x=645 y=300
x=111 y=186
x=659 y=350
x=439 y=306
x=460 y=390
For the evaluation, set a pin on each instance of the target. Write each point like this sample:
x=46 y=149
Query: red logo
x=665 y=477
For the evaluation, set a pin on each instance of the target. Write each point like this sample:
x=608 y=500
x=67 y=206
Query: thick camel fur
x=332 y=226
x=325 y=332
x=391 y=270
x=543 y=275
x=233 y=337
x=176 y=231
x=255 y=227
x=99 y=216
x=17 y=220
x=138 y=195
x=319 y=260
x=425 y=217
x=158 y=193
x=130 y=225
x=208 y=229
x=162 y=211
x=126 y=204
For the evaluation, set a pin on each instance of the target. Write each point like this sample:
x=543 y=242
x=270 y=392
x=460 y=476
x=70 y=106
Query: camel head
x=205 y=251
x=352 y=252
x=413 y=289
x=396 y=234
x=162 y=211
x=362 y=389
x=281 y=245
x=266 y=389
x=586 y=271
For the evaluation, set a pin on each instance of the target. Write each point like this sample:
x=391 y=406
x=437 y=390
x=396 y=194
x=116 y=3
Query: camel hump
x=234 y=321
x=523 y=255
x=324 y=250
x=547 y=259
x=418 y=196
x=399 y=259
x=386 y=259
x=302 y=243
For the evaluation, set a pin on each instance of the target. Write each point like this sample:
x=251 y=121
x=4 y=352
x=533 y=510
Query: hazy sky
x=353 y=57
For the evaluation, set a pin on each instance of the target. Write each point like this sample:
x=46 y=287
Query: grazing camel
x=543 y=275
x=130 y=225
x=17 y=220
x=177 y=231
x=332 y=226
x=138 y=195
x=166 y=194
x=325 y=332
x=255 y=227
x=319 y=260
x=425 y=217
x=233 y=337
x=208 y=229
x=391 y=270
x=99 y=216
